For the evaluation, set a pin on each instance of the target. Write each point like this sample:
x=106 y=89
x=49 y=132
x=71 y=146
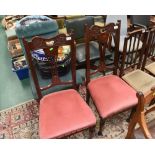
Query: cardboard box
x=14 y=48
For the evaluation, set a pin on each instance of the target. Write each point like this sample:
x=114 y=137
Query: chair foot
x=91 y=132
x=102 y=122
x=100 y=133
x=88 y=97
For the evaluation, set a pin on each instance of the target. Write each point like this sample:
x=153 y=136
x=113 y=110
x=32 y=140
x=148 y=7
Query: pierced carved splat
x=104 y=36
x=50 y=47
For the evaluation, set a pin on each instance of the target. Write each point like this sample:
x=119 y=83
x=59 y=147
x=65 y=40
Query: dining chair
x=110 y=94
x=64 y=112
x=132 y=60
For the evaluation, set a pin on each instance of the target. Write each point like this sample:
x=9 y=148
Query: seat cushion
x=111 y=95
x=151 y=68
x=81 y=54
x=64 y=113
x=140 y=80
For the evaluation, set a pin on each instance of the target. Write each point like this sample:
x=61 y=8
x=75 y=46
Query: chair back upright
x=103 y=36
x=133 y=50
x=50 y=47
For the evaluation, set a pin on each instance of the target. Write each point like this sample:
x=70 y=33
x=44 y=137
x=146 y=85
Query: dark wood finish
x=139 y=115
x=46 y=45
x=132 y=56
x=102 y=123
x=150 y=47
x=103 y=36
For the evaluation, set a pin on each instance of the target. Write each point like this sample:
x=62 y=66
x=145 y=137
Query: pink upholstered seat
x=111 y=95
x=63 y=113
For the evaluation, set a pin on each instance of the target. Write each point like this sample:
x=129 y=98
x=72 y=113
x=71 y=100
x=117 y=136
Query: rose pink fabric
x=62 y=113
x=111 y=95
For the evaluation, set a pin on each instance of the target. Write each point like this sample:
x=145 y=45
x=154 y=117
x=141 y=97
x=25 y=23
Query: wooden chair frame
x=139 y=116
x=104 y=36
x=47 y=44
x=150 y=48
x=134 y=52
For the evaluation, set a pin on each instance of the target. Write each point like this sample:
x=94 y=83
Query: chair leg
x=131 y=114
x=131 y=127
x=87 y=97
x=91 y=132
x=102 y=122
x=143 y=125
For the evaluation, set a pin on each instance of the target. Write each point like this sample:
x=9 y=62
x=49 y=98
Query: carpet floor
x=21 y=122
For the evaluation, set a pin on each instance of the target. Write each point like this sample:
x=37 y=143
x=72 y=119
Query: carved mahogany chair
x=139 y=117
x=64 y=112
x=106 y=91
x=133 y=54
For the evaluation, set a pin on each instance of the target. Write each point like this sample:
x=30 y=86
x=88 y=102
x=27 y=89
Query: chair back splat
x=51 y=50
x=133 y=50
x=103 y=36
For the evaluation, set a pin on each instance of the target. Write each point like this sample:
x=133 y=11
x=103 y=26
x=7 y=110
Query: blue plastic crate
x=22 y=73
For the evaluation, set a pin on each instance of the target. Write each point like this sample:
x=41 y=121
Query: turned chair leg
x=102 y=122
x=91 y=132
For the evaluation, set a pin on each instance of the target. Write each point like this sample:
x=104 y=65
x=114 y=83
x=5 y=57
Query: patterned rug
x=22 y=122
